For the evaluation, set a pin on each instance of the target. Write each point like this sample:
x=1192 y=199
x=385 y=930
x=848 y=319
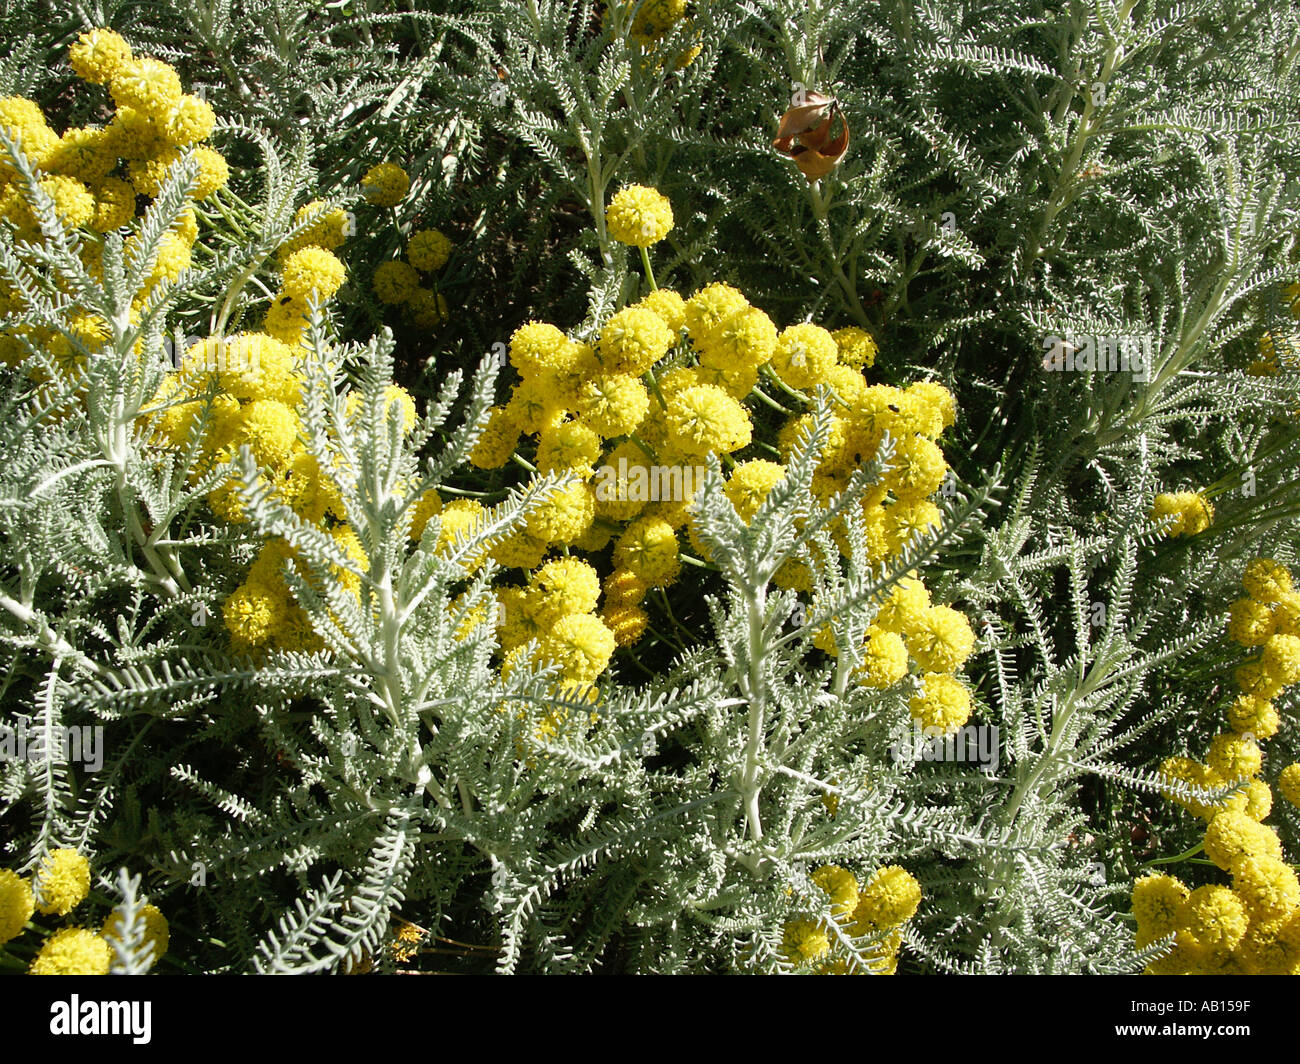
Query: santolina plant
x=650 y=639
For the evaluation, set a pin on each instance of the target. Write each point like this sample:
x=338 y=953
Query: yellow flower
x=941 y=639
x=841 y=886
x=710 y=306
x=639 y=216
x=906 y=602
x=134 y=135
x=114 y=205
x=889 y=899
x=704 y=418
x=73 y=951
x=62 y=882
x=654 y=18
x=270 y=429
x=538 y=348
x=613 y=404
x=624 y=588
x=156 y=931
x=429 y=504
x=1286 y=614
x=918 y=469
x=386 y=184
x=1157 y=903
x=668 y=305
x=937 y=397
x=1254 y=800
x=1288 y=782
x=1233 y=757
x=426 y=308
x=189 y=122
x=942 y=703
x=1266 y=580
x=560 y=587
x=856 y=347
x=82 y=153
x=1233 y=836
x=286 y=320
x=633 y=340
x=1253 y=680
x=327 y=229
x=533 y=405
x=147 y=85
x=1281 y=659
x=74 y=206
x=428 y=250
x=394 y=396
x=569 y=447
x=563 y=517
x=1254 y=715
x=804 y=353
x=745 y=337
x=498 y=442
x=16 y=904
x=252 y=614
x=1250 y=622
x=214 y=172
x=884 y=659
x=749 y=485
x=1184 y=770
x=580 y=644
x=627 y=622
x=1190 y=512
x=804 y=941
x=23 y=121
x=395 y=282
x=312 y=270
x=1268 y=887
x=1271 y=948
x=98 y=55
x=1214 y=917
x=649 y=549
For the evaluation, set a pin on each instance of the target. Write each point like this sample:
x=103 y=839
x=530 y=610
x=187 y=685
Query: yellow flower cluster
x=557 y=609
x=262 y=612
x=309 y=271
x=877 y=910
x=1254 y=926
x=653 y=21
x=635 y=415
x=1275 y=353
x=60 y=884
x=1189 y=512
x=95 y=174
x=258 y=383
x=398 y=282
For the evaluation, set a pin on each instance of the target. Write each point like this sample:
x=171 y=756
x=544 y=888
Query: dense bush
x=653 y=487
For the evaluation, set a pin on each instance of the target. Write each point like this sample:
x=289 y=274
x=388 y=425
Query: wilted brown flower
x=807 y=135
